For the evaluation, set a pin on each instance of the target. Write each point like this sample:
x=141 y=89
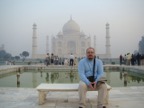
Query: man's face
x=90 y=54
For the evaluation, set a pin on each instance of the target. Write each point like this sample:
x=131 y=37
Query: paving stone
x=128 y=97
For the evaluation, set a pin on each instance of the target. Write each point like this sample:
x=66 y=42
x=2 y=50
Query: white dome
x=71 y=27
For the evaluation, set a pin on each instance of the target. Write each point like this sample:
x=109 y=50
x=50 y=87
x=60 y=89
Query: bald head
x=90 y=52
x=90 y=48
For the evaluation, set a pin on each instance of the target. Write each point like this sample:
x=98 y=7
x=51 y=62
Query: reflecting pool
x=31 y=79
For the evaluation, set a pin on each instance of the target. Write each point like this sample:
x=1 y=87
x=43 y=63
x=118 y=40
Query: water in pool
x=32 y=79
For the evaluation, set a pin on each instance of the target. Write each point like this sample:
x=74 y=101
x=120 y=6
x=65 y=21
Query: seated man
x=90 y=66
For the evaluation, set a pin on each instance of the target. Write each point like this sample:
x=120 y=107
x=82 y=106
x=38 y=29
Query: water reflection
x=108 y=76
x=54 y=76
x=124 y=78
x=47 y=77
x=125 y=75
x=18 y=79
x=129 y=77
x=51 y=77
x=41 y=74
x=121 y=75
x=138 y=79
x=73 y=76
x=34 y=78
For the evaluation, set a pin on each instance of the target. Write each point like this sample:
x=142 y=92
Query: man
x=85 y=69
x=121 y=59
x=128 y=57
x=71 y=59
x=47 y=60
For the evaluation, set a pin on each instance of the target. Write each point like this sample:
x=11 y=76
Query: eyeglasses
x=90 y=52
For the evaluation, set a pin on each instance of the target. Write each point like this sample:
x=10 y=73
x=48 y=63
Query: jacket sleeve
x=81 y=72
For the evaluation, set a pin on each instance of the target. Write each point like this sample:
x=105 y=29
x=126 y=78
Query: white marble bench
x=43 y=88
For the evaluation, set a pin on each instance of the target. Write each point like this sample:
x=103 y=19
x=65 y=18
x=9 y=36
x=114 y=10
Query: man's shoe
x=104 y=106
x=80 y=107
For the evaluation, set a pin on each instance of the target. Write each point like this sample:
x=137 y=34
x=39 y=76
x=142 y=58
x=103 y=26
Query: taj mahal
x=70 y=40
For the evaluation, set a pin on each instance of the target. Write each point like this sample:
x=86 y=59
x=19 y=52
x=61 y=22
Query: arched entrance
x=71 y=46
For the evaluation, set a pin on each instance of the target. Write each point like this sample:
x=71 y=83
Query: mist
x=124 y=16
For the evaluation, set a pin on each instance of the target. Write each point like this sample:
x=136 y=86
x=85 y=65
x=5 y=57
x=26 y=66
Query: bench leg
x=42 y=97
x=45 y=93
x=107 y=97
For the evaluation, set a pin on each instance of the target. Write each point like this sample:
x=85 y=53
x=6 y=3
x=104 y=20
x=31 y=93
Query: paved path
x=123 y=97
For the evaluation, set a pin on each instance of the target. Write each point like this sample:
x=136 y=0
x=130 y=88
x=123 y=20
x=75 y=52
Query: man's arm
x=81 y=71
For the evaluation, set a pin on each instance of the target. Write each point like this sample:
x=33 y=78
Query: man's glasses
x=90 y=52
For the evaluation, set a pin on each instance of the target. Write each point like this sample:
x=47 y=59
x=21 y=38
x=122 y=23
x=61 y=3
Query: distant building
x=2 y=47
x=70 y=40
x=141 y=45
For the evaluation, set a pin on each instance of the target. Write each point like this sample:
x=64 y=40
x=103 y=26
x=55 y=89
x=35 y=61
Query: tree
x=17 y=57
x=4 y=55
x=7 y=56
x=141 y=45
x=24 y=54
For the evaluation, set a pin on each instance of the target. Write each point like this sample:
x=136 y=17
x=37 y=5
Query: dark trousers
x=71 y=62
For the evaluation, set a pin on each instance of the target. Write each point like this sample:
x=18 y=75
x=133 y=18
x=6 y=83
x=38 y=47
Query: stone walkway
x=123 y=97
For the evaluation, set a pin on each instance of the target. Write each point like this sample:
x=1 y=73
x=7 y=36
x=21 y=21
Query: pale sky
x=126 y=19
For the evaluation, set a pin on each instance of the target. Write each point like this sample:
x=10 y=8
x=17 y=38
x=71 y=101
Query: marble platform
x=120 y=97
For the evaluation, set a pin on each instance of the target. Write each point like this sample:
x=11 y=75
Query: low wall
x=137 y=69
x=8 y=69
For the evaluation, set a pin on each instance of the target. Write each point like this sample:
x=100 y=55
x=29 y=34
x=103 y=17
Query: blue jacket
x=85 y=69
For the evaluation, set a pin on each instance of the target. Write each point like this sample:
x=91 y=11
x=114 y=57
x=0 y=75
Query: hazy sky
x=126 y=19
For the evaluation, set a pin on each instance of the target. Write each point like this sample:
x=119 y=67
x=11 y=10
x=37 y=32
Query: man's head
x=90 y=53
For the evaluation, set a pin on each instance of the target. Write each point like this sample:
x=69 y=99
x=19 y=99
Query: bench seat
x=43 y=88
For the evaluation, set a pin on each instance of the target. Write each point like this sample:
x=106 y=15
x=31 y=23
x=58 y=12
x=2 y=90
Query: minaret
x=47 y=44
x=34 y=41
x=95 y=42
x=108 y=51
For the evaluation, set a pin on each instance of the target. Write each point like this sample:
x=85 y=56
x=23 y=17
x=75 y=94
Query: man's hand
x=92 y=85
